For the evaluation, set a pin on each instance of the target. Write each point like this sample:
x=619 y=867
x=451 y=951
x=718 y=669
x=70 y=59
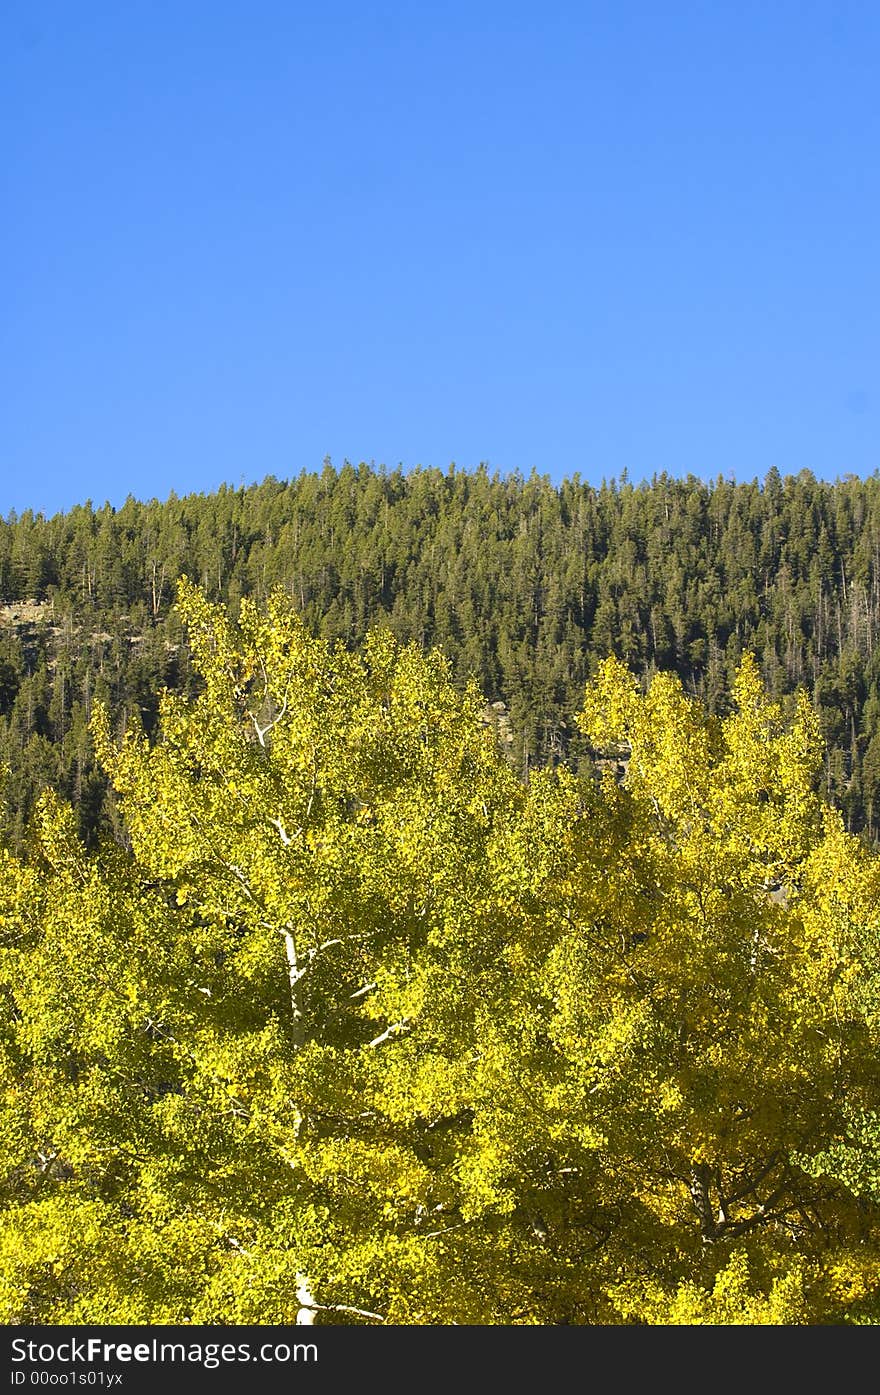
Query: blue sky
x=575 y=237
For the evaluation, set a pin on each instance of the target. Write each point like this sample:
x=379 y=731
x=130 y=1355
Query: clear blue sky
x=595 y=236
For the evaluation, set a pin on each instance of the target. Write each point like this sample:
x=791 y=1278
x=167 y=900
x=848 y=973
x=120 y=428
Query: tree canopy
x=360 y=1024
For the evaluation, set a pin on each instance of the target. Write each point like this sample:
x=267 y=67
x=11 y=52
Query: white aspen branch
x=345 y=1308
x=294 y=971
x=263 y=731
x=305 y=1316
x=294 y=974
x=295 y=968
x=307 y=1308
x=282 y=831
x=242 y=879
x=367 y=988
x=432 y=1234
x=327 y=944
x=310 y=954
x=347 y=939
x=313 y=789
x=394 y=1030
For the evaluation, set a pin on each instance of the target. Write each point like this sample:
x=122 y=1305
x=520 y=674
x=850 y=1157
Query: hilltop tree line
x=525 y=586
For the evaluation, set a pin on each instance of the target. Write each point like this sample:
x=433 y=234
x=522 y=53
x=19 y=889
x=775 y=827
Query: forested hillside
x=524 y=585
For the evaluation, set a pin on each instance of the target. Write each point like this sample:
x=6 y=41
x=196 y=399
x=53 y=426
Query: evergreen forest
x=523 y=585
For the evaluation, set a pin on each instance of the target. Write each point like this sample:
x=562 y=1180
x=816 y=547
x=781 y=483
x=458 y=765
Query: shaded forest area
x=523 y=584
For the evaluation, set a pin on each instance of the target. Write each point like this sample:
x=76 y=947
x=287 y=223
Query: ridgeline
x=524 y=585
